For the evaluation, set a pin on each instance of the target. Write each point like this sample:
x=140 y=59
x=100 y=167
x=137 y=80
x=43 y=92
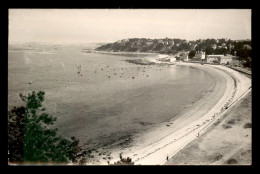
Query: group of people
x=79 y=70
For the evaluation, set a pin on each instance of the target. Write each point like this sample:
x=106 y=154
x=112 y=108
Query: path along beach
x=153 y=146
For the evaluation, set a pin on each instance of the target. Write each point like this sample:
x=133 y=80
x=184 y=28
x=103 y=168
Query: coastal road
x=157 y=153
x=153 y=148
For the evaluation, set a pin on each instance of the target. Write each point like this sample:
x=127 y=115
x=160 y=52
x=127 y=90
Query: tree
x=30 y=138
x=209 y=51
x=244 y=53
x=184 y=46
x=221 y=51
x=159 y=47
x=198 y=48
x=192 y=54
x=15 y=132
x=105 y=47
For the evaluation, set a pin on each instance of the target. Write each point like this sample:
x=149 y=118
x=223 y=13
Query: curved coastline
x=124 y=52
x=148 y=149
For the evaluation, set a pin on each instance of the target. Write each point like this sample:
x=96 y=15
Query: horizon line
x=95 y=42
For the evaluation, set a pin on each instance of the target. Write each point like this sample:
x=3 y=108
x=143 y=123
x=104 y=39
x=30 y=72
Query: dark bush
x=232 y=161
x=248 y=125
x=124 y=161
x=232 y=121
x=226 y=126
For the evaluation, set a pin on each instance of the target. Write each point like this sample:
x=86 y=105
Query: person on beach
x=167 y=158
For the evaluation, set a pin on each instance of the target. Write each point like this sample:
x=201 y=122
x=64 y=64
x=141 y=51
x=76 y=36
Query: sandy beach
x=227 y=142
x=153 y=146
x=130 y=87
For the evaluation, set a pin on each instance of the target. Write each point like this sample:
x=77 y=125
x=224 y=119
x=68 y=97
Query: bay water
x=101 y=98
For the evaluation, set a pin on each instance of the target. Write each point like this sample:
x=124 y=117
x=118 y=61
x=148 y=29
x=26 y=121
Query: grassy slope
x=226 y=142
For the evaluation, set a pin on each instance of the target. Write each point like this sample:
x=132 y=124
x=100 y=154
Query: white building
x=214 y=46
x=172 y=59
x=171 y=42
x=226 y=59
x=163 y=55
x=184 y=57
x=219 y=59
x=214 y=58
x=200 y=55
x=149 y=43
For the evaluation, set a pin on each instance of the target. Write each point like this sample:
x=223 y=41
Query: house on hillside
x=221 y=59
x=148 y=43
x=199 y=56
x=247 y=47
x=231 y=46
x=223 y=45
x=214 y=46
x=171 y=42
x=160 y=41
x=235 y=61
x=226 y=59
x=165 y=42
x=124 y=40
x=138 y=42
x=214 y=58
x=184 y=57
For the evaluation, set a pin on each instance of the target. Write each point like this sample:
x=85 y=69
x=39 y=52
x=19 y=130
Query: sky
x=110 y=25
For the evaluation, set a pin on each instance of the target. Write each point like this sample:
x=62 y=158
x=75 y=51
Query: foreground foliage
x=31 y=140
x=124 y=161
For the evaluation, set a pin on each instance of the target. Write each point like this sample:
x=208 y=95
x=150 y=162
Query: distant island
x=240 y=48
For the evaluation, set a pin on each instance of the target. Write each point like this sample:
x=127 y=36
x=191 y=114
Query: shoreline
x=184 y=127
x=146 y=149
x=212 y=148
x=124 y=52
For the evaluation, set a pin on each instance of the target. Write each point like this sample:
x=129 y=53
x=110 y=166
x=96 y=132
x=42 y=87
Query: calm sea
x=105 y=100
